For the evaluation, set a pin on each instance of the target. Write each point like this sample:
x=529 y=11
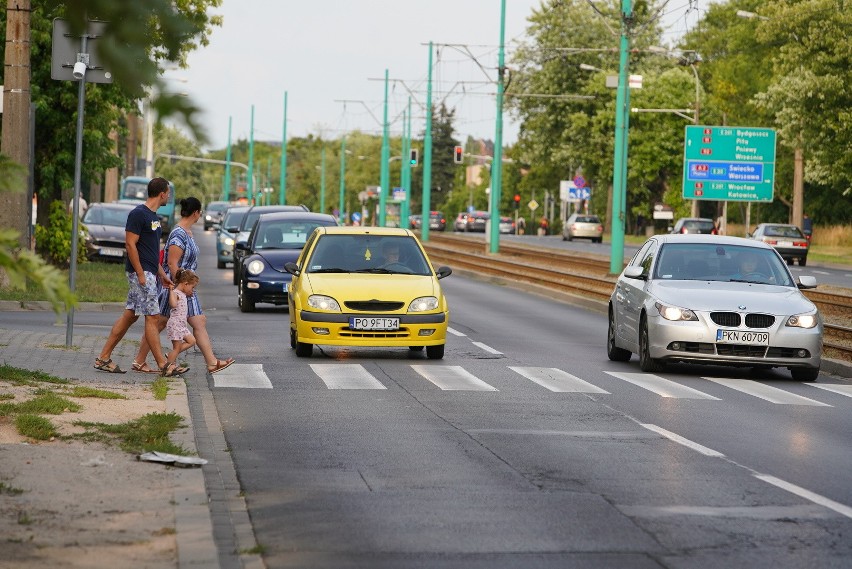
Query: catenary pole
x=385 y=167
x=426 y=205
x=282 y=192
x=497 y=163
x=622 y=123
x=226 y=193
x=341 y=212
x=250 y=181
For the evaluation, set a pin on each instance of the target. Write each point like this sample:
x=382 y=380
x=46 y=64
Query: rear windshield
x=698 y=225
x=781 y=231
x=587 y=219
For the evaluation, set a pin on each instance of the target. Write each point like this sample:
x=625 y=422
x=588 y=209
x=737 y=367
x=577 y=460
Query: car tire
x=564 y=238
x=220 y=264
x=292 y=338
x=803 y=261
x=304 y=350
x=415 y=348
x=570 y=238
x=804 y=373
x=613 y=352
x=245 y=303
x=435 y=352
x=646 y=362
x=236 y=278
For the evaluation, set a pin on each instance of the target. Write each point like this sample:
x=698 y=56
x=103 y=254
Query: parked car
x=583 y=226
x=790 y=242
x=103 y=231
x=276 y=239
x=717 y=300
x=507 y=225
x=367 y=287
x=248 y=222
x=476 y=221
x=213 y=214
x=460 y=224
x=694 y=226
x=226 y=234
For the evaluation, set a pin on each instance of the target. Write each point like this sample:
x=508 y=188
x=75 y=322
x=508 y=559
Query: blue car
x=276 y=239
x=227 y=234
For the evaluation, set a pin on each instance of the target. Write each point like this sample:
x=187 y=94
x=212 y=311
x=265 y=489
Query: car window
x=285 y=234
x=233 y=218
x=587 y=219
x=648 y=259
x=640 y=254
x=367 y=254
x=725 y=263
x=782 y=231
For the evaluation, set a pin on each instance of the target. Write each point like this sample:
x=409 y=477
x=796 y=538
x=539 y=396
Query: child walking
x=177 y=328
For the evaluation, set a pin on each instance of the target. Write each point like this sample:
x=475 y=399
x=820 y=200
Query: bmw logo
x=741 y=307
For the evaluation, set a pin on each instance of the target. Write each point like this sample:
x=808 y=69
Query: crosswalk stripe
x=763 y=391
x=452 y=378
x=487 y=348
x=660 y=386
x=246 y=376
x=557 y=380
x=841 y=389
x=346 y=376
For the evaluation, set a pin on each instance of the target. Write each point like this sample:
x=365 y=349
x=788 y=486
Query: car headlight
x=255 y=267
x=207 y=217
x=228 y=241
x=803 y=320
x=322 y=302
x=423 y=304
x=675 y=313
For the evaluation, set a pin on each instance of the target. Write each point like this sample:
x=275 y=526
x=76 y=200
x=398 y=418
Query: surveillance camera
x=79 y=70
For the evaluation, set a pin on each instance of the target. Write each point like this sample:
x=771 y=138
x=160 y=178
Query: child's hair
x=185 y=276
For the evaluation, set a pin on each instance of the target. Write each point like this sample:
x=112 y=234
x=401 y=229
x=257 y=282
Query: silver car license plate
x=742 y=337
x=373 y=323
x=112 y=252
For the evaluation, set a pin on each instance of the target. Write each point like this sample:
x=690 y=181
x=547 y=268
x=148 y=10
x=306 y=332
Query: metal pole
x=406 y=182
x=322 y=181
x=426 y=206
x=250 y=181
x=385 y=167
x=282 y=194
x=695 y=120
x=619 y=172
x=497 y=163
x=341 y=214
x=227 y=193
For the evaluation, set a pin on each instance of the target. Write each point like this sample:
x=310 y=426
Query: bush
x=54 y=241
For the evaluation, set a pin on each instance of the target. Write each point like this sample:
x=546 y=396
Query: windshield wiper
x=747 y=281
x=330 y=270
x=376 y=270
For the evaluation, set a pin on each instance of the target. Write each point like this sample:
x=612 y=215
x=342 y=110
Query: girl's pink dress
x=176 y=326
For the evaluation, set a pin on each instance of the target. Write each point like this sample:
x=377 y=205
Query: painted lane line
x=346 y=376
x=612 y=435
x=557 y=380
x=487 y=348
x=455 y=332
x=246 y=376
x=822 y=272
x=452 y=378
x=807 y=494
x=834 y=388
x=685 y=442
x=766 y=392
x=661 y=386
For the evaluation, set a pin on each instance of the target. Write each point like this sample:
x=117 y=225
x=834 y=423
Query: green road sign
x=727 y=163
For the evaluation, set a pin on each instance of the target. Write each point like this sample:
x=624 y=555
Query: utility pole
x=226 y=194
x=341 y=213
x=798 y=185
x=250 y=181
x=322 y=180
x=282 y=194
x=385 y=167
x=16 y=115
x=622 y=122
x=497 y=163
x=427 y=159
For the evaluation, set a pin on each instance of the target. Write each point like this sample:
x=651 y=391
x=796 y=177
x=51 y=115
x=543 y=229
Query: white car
x=714 y=300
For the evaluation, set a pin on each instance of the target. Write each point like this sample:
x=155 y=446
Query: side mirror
x=292 y=268
x=805 y=281
x=634 y=272
x=443 y=272
x=241 y=246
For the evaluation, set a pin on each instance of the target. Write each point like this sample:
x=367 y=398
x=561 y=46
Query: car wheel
x=564 y=238
x=803 y=261
x=804 y=373
x=304 y=350
x=646 y=362
x=613 y=352
x=236 y=279
x=246 y=304
x=789 y=261
x=292 y=338
x=570 y=238
x=415 y=348
x=435 y=352
x=220 y=264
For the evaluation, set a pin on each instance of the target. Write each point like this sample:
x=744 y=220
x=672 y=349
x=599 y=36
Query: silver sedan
x=717 y=300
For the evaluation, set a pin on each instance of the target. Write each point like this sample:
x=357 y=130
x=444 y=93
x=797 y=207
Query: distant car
x=476 y=221
x=460 y=224
x=226 y=233
x=276 y=239
x=103 y=233
x=507 y=225
x=437 y=221
x=367 y=287
x=790 y=242
x=213 y=214
x=713 y=300
x=582 y=226
x=695 y=226
x=246 y=225
x=415 y=221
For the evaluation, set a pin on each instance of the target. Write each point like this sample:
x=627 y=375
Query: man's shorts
x=143 y=300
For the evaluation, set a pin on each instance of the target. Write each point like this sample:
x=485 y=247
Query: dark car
x=103 y=233
x=226 y=234
x=276 y=239
x=247 y=223
x=415 y=221
x=476 y=221
x=695 y=226
x=437 y=221
x=213 y=214
x=790 y=242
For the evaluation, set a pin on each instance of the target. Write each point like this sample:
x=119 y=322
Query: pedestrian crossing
x=346 y=376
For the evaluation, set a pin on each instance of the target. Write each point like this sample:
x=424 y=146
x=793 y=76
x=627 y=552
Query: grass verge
x=148 y=433
x=160 y=388
x=95 y=282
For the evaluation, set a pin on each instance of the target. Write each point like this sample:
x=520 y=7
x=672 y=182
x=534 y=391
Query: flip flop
x=108 y=366
x=182 y=368
x=220 y=365
x=169 y=370
x=143 y=367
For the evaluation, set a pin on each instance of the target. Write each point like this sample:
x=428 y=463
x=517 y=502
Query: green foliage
x=54 y=240
x=47 y=402
x=148 y=433
x=96 y=282
x=24 y=267
x=19 y=376
x=160 y=388
x=83 y=391
x=35 y=427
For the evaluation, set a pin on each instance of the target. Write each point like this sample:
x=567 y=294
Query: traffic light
x=458 y=155
x=516 y=202
x=412 y=159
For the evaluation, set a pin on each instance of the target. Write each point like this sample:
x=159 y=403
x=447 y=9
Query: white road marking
x=487 y=348
x=346 y=376
x=821 y=272
x=661 y=386
x=766 y=392
x=807 y=494
x=452 y=378
x=455 y=332
x=685 y=442
x=246 y=376
x=833 y=387
x=557 y=380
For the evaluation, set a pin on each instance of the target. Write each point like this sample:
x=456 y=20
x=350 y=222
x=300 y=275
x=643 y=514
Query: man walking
x=142 y=239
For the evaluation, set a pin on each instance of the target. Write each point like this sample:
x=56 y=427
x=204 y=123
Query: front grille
x=741 y=350
x=759 y=320
x=373 y=305
x=349 y=333
x=108 y=243
x=725 y=318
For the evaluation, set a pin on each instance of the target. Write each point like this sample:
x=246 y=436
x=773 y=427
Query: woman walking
x=181 y=252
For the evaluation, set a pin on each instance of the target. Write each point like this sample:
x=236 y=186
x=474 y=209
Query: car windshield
x=724 y=263
x=783 y=231
x=107 y=216
x=697 y=225
x=284 y=234
x=217 y=206
x=233 y=218
x=368 y=254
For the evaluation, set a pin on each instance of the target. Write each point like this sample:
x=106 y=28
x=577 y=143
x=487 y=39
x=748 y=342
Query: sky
x=330 y=58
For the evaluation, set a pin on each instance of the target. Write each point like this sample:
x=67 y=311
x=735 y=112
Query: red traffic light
x=458 y=155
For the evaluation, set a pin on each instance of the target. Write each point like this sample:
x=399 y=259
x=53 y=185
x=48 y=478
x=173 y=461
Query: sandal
x=220 y=365
x=108 y=366
x=182 y=368
x=169 y=370
x=143 y=367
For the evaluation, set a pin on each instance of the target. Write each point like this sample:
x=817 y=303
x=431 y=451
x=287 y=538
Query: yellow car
x=366 y=286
